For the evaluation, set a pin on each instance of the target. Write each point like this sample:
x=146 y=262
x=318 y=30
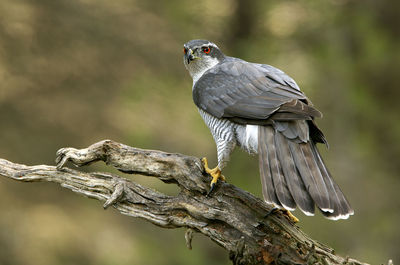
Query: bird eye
x=185 y=50
x=206 y=50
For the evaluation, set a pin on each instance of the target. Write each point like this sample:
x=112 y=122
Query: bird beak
x=189 y=56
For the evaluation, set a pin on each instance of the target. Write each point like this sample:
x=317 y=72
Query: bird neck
x=200 y=66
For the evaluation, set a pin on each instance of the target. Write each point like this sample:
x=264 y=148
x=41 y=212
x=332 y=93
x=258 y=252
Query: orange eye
x=206 y=50
x=184 y=50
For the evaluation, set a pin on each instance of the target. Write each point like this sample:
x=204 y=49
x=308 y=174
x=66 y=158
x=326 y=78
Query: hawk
x=261 y=109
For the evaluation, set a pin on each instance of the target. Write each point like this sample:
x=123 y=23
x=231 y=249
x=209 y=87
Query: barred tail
x=293 y=173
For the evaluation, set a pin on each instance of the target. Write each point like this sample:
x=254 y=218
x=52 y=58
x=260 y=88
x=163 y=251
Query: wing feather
x=251 y=93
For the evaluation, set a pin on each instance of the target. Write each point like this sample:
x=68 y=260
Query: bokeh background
x=73 y=72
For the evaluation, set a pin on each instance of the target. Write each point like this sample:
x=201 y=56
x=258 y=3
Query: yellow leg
x=214 y=172
x=285 y=212
x=291 y=217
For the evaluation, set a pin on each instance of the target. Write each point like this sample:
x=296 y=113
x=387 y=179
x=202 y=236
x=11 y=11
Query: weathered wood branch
x=231 y=217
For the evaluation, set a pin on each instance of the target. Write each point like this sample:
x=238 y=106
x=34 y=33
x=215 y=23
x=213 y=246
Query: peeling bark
x=234 y=219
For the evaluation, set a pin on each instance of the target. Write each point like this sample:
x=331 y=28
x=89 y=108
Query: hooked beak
x=189 y=56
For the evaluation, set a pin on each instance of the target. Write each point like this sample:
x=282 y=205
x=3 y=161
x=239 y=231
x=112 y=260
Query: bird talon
x=211 y=189
x=272 y=211
x=285 y=212
x=290 y=216
x=215 y=174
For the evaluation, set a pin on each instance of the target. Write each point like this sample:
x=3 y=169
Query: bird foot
x=215 y=174
x=285 y=212
x=290 y=216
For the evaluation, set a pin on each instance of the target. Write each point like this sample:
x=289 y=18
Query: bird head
x=200 y=55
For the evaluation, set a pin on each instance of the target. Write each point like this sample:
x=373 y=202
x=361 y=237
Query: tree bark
x=234 y=219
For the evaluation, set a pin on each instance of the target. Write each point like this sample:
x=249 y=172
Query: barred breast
x=220 y=128
x=223 y=130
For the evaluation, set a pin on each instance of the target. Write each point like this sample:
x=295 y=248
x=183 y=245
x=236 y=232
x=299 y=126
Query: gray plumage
x=261 y=109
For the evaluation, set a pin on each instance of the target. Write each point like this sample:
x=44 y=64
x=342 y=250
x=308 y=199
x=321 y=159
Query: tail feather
x=292 y=176
x=293 y=173
x=279 y=184
x=342 y=209
x=265 y=171
x=311 y=175
x=339 y=203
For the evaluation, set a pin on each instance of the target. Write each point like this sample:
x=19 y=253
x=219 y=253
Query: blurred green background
x=73 y=72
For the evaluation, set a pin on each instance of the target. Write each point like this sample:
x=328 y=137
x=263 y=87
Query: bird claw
x=215 y=174
x=211 y=189
x=272 y=211
x=285 y=212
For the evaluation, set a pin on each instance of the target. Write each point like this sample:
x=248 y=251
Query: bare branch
x=231 y=217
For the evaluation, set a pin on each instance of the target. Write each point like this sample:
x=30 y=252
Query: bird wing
x=249 y=93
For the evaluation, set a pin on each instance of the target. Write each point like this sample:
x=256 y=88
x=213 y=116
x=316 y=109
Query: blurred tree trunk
x=242 y=24
x=243 y=20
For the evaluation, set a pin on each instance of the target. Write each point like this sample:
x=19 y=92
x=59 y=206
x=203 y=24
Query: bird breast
x=246 y=136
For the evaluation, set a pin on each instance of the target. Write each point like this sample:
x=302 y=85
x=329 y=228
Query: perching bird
x=261 y=109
